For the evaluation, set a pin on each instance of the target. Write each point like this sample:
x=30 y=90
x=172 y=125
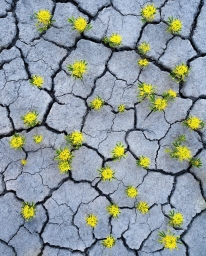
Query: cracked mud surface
x=63 y=200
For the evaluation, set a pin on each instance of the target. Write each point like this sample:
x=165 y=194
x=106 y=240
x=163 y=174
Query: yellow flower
x=143 y=161
x=180 y=72
x=174 y=25
x=91 y=220
x=144 y=48
x=37 y=138
x=114 y=40
x=44 y=19
x=97 y=103
x=194 y=123
x=23 y=161
x=119 y=151
x=121 y=108
x=106 y=173
x=64 y=166
x=168 y=240
x=182 y=153
x=30 y=119
x=131 y=192
x=176 y=219
x=17 y=141
x=63 y=154
x=28 y=211
x=143 y=207
x=75 y=138
x=145 y=90
x=80 y=24
x=109 y=242
x=143 y=63
x=159 y=104
x=169 y=95
x=78 y=69
x=113 y=210
x=148 y=13
x=37 y=81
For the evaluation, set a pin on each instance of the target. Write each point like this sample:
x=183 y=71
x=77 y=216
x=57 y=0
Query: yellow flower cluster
x=109 y=241
x=131 y=192
x=160 y=104
x=37 y=81
x=145 y=90
x=174 y=25
x=23 y=162
x=143 y=161
x=169 y=95
x=180 y=72
x=119 y=151
x=44 y=20
x=78 y=69
x=92 y=220
x=144 y=48
x=97 y=103
x=143 y=63
x=148 y=13
x=30 y=119
x=113 y=210
x=194 y=123
x=143 y=207
x=64 y=158
x=106 y=173
x=114 y=40
x=28 y=211
x=17 y=141
x=121 y=108
x=168 y=240
x=37 y=138
x=79 y=24
x=182 y=153
x=176 y=219
x=75 y=139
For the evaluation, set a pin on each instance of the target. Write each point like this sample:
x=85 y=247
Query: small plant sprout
x=145 y=90
x=109 y=241
x=114 y=40
x=64 y=157
x=176 y=219
x=37 y=81
x=44 y=20
x=119 y=151
x=30 y=118
x=106 y=173
x=194 y=123
x=28 y=210
x=113 y=210
x=158 y=104
x=183 y=153
x=131 y=192
x=169 y=240
x=169 y=95
x=174 y=25
x=148 y=13
x=143 y=63
x=142 y=207
x=17 y=141
x=91 y=220
x=180 y=72
x=97 y=103
x=79 y=24
x=121 y=108
x=75 y=139
x=144 y=48
x=78 y=68
x=37 y=138
x=143 y=161
x=23 y=162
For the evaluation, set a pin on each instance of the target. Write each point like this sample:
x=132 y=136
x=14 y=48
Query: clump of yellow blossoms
x=17 y=141
x=143 y=207
x=23 y=162
x=194 y=123
x=143 y=63
x=91 y=220
x=119 y=151
x=176 y=219
x=30 y=119
x=121 y=108
x=37 y=138
x=79 y=24
x=106 y=173
x=169 y=95
x=113 y=210
x=143 y=161
x=180 y=72
x=114 y=40
x=148 y=13
x=64 y=157
x=28 y=211
x=158 y=104
x=131 y=192
x=174 y=25
x=37 y=81
x=97 y=103
x=145 y=90
x=181 y=152
x=109 y=241
x=44 y=20
x=169 y=240
x=144 y=48
x=75 y=139
x=78 y=69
